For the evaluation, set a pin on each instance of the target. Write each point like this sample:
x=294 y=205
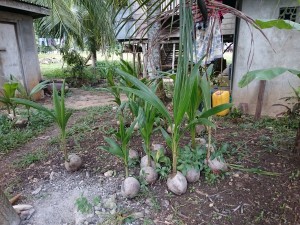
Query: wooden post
x=173 y=58
x=8 y=216
x=139 y=64
x=260 y=98
x=145 y=60
x=134 y=55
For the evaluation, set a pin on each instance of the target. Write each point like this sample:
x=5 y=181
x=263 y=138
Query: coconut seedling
x=130 y=186
x=61 y=116
x=205 y=87
x=8 y=92
x=186 y=76
x=193 y=108
x=146 y=120
x=25 y=94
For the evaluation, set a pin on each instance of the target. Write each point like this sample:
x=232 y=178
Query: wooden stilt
x=173 y=58
x=260 y=98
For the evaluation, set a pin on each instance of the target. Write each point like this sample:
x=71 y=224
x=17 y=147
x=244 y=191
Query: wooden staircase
x=169 y=56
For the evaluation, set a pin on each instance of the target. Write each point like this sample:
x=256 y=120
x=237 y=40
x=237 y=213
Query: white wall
x=285 y=43
x=19 y=57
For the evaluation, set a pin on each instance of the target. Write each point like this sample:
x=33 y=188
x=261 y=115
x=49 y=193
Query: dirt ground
x=79 y=99
x=237 y=197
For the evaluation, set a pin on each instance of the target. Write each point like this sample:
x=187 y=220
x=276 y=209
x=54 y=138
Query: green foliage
x=282 y=125
x=8 y=92
x=60 y=114
x=72 y=57
x=253 y=170
x=235 y=113
x=162 y=163
x=12 y=137
x=75 y=75
x=265 y=74
x=128 y=68
x=190 y=158
x=54 y=74
x=146 y=119
x=192 y=110
x=88 y=76
x=96 y=200
x=211 y=177
x=106 y=66
x=278 y=23
x=294 y=110
x=183 y=85
x=90 y=26
x=83 y=205
x=112 y=89
x=120 y=150
x=23 y=92
x=30 y=158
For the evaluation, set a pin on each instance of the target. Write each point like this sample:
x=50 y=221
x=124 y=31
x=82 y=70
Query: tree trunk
x=8 y=216
x=154 y=58
x=94 y=57
x=87 y=59
x=154 y=62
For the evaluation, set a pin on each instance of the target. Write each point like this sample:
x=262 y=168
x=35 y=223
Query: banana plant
x=60 y=115
x=9 y=92
x=120 y=150
x=269 y=74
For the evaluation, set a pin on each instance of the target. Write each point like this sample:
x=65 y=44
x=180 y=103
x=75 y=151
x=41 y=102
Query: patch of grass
x=30 y=158
x=86 y=123
x=278 y=124
x=212 y=178
x=12 y=137
x=83 y=205
x=53 y=72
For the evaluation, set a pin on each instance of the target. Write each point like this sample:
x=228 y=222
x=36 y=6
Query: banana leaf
x=265 y=74
x=278 y=23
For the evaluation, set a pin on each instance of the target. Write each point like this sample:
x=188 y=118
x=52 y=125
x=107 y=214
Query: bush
x=104 y=66
x=78 y=75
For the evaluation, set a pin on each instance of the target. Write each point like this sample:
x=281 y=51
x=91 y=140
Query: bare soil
x=238 y=197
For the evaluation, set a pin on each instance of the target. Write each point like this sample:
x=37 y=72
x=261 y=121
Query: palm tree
x=85 y=24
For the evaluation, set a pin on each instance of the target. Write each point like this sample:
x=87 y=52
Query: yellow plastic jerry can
x=221 y=97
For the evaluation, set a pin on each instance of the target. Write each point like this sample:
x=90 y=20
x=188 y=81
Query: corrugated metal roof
x=31 y=3
x=25 y=7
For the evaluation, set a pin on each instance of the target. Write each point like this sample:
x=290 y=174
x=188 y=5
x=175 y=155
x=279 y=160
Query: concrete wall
x=18 y=55
x=285 y=43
